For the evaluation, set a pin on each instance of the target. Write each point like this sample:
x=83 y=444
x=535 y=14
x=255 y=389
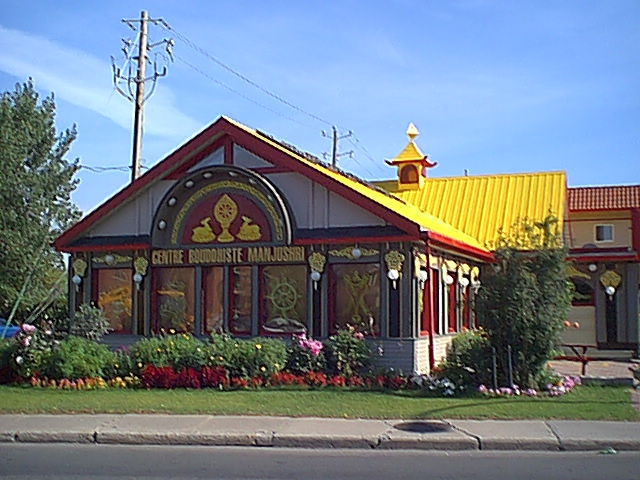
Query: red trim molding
x=460 y=247
x=107 y=248
x=324 y=241
x=635 y=229
x=269 y=170
x=228 y=150
x=182 y=169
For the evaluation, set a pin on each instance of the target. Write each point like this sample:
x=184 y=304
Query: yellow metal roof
x=423 y=218
x=481 y=205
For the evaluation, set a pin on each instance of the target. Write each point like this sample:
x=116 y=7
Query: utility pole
x=334 y=150
x=138 y=80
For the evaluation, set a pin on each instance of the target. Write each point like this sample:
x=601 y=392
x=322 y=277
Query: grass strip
x=583 y=403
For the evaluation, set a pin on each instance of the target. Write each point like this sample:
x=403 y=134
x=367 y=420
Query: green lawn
x=589 y=403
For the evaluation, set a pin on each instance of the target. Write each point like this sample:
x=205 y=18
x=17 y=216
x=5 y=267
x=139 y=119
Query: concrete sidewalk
x=321 y=432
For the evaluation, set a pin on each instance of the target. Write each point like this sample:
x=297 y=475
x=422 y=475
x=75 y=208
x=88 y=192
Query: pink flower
x=358 y=335
x=28 y=328
x=26 y=341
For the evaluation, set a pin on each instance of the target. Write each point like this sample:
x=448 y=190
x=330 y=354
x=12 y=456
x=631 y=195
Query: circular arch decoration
x=220 y=206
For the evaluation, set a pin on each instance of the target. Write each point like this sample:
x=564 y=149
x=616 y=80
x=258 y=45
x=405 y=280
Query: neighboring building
x=604 y=237
x=240 y=232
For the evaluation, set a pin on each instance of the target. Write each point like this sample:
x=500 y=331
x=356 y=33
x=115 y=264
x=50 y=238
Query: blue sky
x=494 y=86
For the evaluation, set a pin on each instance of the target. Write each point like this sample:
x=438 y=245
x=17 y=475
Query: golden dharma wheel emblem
x=225 y=212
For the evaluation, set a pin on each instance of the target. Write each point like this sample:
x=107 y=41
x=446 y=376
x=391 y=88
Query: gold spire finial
x=412 y=132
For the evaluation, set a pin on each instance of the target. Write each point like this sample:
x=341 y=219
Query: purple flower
x=26 y=341
x=482 y=389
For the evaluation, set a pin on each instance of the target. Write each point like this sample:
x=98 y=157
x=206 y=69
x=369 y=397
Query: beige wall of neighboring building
x=583 y=230
x=586 y=333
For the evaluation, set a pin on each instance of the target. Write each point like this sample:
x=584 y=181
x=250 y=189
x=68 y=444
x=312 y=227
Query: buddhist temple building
x=237 y=231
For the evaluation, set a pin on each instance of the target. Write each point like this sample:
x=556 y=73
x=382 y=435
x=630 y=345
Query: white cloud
x=85 y=81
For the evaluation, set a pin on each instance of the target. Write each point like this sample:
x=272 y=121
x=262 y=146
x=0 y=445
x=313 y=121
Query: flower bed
x=177 y=360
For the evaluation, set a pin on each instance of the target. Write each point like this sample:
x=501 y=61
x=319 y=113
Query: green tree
x=525 y=298
x=35 y=197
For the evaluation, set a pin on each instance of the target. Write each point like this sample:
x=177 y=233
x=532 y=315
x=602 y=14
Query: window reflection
x=284 y=299
x=175 y=298
x=356 y=290
x=114 y=297
x=240 y=300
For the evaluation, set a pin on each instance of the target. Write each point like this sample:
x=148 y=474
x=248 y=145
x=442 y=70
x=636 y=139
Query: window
x=409 y=174
x=240 y=300
x=356 y=297
x=284 y=299
x=114 y=297
x=175 y=300
x=213 y=282
x=604 y=233
x=452 y=312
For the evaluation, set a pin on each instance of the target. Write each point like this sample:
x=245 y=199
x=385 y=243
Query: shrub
x=304 y=355
x=178 y=351
x=469 y=360
x=7 y=373
x=258 y=357
x=347 y=353
x=89 y=322
x=32 y=347
x=524 y=302
x=123 y=365
x=76 y=358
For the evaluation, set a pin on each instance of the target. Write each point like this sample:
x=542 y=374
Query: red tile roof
x=604 y=198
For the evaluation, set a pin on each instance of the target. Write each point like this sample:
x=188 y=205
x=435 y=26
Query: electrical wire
x=95 y=169
x=245 y=79
x=357 y=144
x=240 y=94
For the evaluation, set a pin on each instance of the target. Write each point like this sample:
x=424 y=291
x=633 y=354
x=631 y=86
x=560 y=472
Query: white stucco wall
x=136 y=216
x=315 y=207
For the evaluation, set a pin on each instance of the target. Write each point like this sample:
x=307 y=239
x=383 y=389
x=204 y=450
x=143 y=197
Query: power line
x=244 y=78
x=357 y=144
x=240 y=94
x=95 y=169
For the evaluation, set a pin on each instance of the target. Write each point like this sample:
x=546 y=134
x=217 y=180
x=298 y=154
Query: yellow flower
x=258 y=346
x=198 y=349
x=139 y=365
x=277 y=365
x=172 y=331
x=220 y=358
x=157 y=349
x=210 y=358
x=263 y=368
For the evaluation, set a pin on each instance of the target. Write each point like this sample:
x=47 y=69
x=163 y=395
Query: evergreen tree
x=36 y=182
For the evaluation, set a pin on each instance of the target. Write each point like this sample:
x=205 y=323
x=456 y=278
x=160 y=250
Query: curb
x=386 y=441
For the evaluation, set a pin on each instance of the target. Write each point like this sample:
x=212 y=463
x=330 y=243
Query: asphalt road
x=69 y=462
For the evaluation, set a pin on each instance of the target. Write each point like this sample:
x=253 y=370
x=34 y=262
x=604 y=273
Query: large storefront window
x=240 y=300
x=175 y=295
x=284 y=299
x=114 y=297
x=213 y=281
x=356 y=297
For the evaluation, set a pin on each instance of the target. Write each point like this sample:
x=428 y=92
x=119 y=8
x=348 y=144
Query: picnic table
x=579 y=355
